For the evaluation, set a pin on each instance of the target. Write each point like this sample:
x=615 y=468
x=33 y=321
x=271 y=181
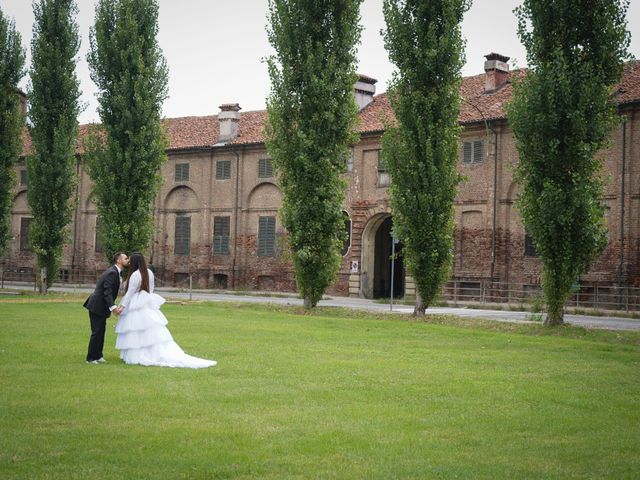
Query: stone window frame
x=24 y=179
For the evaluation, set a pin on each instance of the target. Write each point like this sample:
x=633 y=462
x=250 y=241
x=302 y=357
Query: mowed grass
x=328 y=395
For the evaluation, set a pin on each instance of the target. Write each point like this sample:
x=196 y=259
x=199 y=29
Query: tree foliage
x=312 y=118
x=54 y=105
x=12 y=57
x=420 y=151
x=561 y=115
x=125 y=155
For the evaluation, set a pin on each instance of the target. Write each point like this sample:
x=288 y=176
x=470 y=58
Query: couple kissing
x=142 y=334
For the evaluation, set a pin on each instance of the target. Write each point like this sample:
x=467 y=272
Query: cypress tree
x=125 y=157
x=12 y=57
x=561 y=115
x=424 y=42
x=312 y=116
x=54 y=105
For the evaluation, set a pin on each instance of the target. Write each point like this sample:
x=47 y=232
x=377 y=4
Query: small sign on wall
x=355 y=266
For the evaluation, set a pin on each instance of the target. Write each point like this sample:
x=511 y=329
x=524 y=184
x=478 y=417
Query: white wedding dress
x=142 y=335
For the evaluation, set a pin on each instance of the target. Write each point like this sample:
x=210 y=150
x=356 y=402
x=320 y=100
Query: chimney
x=229 y=118
x=496 y=71
x=364 y=90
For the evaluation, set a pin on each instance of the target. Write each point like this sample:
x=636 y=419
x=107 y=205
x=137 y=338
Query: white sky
x=214 y=48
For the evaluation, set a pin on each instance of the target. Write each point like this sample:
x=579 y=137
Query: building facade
x=217 y=218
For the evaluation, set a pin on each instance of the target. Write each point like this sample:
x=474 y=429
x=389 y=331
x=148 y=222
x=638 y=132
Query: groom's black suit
x=103 y=297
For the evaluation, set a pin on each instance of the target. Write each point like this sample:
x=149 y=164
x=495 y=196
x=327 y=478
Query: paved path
x=608 y=322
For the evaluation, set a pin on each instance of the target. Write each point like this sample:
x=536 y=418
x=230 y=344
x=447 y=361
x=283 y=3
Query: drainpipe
x=495 y=201
x=624 y=151
x=235 y=218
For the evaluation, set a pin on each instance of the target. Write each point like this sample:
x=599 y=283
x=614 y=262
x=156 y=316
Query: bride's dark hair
x=136 y=262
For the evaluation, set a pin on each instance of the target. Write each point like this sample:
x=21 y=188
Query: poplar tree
x=562 y=115
x=312 y=116
x=420 y=150
x=125 y=157
x=54 y=105
x=12 y=57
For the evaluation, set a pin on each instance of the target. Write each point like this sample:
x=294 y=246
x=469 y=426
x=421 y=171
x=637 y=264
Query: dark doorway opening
x=382 y=266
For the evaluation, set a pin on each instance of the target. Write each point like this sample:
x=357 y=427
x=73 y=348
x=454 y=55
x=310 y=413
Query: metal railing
x=457 y=291
x=598 y=297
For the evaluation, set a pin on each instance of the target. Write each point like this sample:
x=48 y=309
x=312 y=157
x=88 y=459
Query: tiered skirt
x=144 y=339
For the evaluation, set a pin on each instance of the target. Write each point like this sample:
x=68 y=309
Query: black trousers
x=96 y=342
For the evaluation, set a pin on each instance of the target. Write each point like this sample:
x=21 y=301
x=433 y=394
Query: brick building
x=216 y=212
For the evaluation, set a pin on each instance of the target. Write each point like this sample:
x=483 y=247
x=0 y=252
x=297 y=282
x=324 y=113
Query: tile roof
x=628 y=90
x=191 y=132
x=477 y=106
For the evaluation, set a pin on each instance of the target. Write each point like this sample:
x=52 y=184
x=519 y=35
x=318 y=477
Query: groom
x=101 y=303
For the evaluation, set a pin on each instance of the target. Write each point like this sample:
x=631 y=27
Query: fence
x=481 y=291
x=29 y=278
x=599 y=297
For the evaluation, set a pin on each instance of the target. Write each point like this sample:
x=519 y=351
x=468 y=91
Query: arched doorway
x=377 y=244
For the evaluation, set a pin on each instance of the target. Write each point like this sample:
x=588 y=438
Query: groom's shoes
x=95 y=362
x=101 y=360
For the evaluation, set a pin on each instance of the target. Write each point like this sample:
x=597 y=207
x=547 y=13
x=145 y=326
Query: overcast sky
x=214 y=48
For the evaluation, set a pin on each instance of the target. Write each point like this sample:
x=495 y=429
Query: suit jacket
x=105 y=293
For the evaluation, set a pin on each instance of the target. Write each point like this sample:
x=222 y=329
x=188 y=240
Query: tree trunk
x=308 y=304
x=43 y=280
x=555 y=308
x=420 y=307
x=553 y=319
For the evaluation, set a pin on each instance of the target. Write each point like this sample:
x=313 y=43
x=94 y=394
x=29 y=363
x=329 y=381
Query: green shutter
x=267 y=237
x=221 y=235
x=183 y=236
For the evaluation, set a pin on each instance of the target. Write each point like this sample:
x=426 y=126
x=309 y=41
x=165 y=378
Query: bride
x=142 y=335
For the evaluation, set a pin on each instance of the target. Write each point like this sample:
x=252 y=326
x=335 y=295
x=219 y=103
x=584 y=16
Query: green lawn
x=330 y=395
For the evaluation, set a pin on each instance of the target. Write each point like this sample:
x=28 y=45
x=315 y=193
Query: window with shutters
x=23 y=177
x=529 y=246
x=348 y=160
x=384 y=177
x=267 y=237
x=183 y=235
x=265 y=168
x=381 y=167
x=223 y=169
x=98 y=246
x=25 y=244
x=182 y=172
x=473 y=152
x=221 y=235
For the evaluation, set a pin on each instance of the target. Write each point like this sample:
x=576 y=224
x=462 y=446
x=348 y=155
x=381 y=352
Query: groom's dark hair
x=117 y=256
